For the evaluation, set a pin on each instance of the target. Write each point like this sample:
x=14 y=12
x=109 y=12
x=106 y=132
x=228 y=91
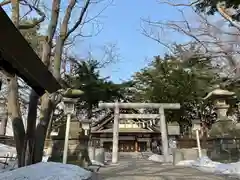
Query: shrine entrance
x=127 y=146
x=117 y=146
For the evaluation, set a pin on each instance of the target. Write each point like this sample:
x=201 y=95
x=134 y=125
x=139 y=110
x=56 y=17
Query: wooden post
x=136 y=146
x=164 y=134
x=115 y=134
x=148 y=144
x=198 y=144
x=65 y=151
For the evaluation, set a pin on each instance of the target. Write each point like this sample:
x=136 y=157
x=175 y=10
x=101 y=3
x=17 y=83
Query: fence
x=7 y=140
x=223 y=149
x=190 y=143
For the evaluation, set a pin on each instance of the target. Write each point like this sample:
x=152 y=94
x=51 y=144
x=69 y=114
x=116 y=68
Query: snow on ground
x=41 y=171
x=160 y=158
x=207 y=165
x=96 y=163
x=204 y=164
x=5 y=149
x=8 y=160
x=9 y=163
x=47 y=171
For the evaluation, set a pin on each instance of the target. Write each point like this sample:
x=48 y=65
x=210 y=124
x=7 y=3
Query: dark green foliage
x=173 y=80
x=95 y=88
x=209 y=6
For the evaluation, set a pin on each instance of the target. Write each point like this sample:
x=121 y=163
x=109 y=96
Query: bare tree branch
x=220 y=8
x=79 y=21
x=224 y=14
x=34 y=22
x=221 y=44
x=5 y=2
x=153 y=37
x=180 y=4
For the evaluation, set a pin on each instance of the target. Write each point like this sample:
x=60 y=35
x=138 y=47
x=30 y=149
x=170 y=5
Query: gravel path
x=140 y=169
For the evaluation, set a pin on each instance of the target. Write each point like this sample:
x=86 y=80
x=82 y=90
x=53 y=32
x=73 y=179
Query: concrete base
x=91 y=153
x=113 y=164
x=100 y=155
x=186 y=154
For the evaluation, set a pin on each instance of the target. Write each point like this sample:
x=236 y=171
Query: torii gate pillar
x=164 y=135
x=115 y=134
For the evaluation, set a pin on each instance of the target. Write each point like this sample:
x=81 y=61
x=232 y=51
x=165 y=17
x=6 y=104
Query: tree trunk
x=13 y=103
x=61 y=40
x=57 y=58
x=89 y=116
x=49 y=130
x=35 y=152
x=17 y=123
x=47 y=48
x=41 y=130
x=31 y=128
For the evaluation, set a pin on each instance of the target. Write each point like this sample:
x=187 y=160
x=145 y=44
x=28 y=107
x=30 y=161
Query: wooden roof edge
x=102 y=119
x=104 y=122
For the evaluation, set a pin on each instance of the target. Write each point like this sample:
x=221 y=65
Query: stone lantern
x=223 y=125
x=69 y=109
x=86 y=126
x=222 y=140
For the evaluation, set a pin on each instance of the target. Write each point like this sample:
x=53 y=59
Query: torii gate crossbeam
x=160 y=106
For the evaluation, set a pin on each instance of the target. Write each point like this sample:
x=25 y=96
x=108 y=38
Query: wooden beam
x=141 y=105
x=139 y=116
x=103 y=123
x=17 y=57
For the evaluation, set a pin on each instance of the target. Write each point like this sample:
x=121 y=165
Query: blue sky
x=122 y=26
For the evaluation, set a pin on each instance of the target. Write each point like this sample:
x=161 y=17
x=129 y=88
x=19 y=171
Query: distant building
x=134 y=135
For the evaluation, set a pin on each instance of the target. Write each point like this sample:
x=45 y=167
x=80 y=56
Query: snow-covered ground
x=5 y=149
x=41 y=171
x=204 y=164
x=10 y=152
x=96 y=163
x=47 y=171
x=160 y=158
x=207 y=165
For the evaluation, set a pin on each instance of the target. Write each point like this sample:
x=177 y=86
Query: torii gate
x=160 y=106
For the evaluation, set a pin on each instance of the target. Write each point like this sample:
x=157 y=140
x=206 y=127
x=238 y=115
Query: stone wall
x=54 y=148
x=187 y=154
x=190 y=143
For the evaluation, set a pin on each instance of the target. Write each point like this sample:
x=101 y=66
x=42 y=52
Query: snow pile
x=7 y=157
x=45 y=158
x=160 y=158
x=207 y=165
x=96 y=163
x=47 y=171
x=9 y=166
